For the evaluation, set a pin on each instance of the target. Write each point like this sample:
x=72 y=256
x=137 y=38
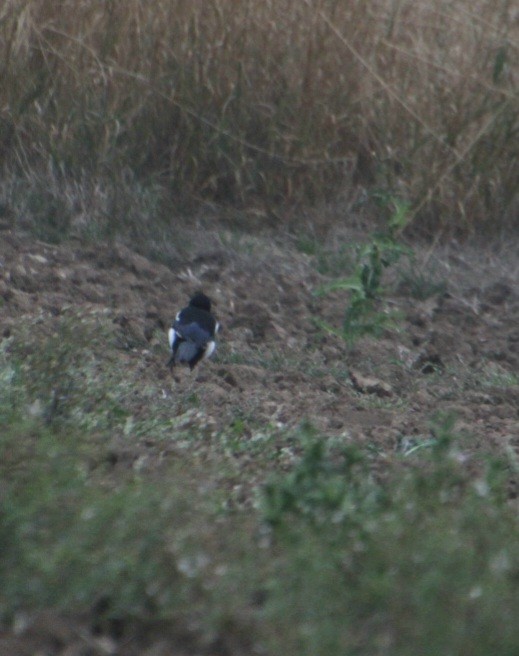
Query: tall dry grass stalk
x=272 y=101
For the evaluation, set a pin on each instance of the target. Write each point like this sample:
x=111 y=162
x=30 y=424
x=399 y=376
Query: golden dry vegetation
x=262 y=103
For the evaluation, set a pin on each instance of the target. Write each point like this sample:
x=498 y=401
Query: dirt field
x=456 y=352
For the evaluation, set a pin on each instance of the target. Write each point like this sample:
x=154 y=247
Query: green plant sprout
x=363 y=315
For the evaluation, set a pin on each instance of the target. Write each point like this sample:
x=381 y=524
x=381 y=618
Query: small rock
x=370 y=385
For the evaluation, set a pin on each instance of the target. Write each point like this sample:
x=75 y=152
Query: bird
x=192 y=334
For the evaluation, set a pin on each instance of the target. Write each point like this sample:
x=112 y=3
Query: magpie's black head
x=201 y=301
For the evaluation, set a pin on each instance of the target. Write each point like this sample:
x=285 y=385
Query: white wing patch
x=209 y=349
x=171 y=336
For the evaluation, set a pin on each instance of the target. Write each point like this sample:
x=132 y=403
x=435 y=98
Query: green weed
x=419 y=560
x=363 y=315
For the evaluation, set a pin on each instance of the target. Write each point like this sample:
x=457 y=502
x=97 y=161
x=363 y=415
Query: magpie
x=192 y=335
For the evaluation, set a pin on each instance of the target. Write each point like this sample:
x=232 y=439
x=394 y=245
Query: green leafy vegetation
x=363 y=314
x=418 y=559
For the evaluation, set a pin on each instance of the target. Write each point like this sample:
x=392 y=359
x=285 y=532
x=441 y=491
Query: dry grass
x=261 y=103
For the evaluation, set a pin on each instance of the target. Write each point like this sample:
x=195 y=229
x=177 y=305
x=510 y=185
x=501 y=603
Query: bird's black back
x=201 y=318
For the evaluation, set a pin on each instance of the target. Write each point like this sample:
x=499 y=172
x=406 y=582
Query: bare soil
x=456 y=352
